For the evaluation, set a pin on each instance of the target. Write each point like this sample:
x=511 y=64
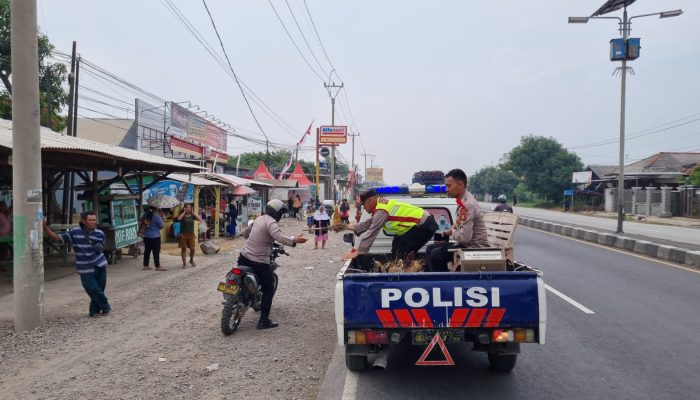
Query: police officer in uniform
x=256 y=253
x=411 y=226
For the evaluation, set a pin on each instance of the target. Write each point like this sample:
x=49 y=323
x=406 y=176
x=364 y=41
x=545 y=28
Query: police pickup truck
x=495 y=311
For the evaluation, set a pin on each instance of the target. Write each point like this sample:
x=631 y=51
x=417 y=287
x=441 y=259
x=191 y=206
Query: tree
x=544 y=165
x=493 y=180
x=52 y=96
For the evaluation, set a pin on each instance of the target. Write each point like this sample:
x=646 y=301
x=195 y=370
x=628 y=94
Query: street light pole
x=621 y=171
x=624 y=29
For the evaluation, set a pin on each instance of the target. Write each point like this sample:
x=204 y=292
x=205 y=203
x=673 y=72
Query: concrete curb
x=663 y=252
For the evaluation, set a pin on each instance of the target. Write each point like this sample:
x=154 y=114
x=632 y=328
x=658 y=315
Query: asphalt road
x=675 y=234
x=640 y=342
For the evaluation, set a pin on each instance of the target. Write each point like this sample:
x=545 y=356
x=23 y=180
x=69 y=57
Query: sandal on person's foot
x=193 y=264
x=161 y=269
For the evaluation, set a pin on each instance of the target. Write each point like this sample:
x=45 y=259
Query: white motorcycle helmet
x=502 y=198
x=276 y=208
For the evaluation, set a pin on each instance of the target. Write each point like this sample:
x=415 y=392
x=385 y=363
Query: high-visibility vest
x=402 y=216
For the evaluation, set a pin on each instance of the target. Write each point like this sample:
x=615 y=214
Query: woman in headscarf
x=321 y=223
x=336 y=214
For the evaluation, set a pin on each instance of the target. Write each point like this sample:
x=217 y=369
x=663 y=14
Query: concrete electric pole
x=352 y=167
x=26 y=169
x=330 y=88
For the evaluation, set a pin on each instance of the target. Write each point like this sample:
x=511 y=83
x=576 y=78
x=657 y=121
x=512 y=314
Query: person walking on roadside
x=469 y=230
x=321 y=222
x=515 y=199
x=232 y=218
x=186 y=237
x=336 y=213
x=345 y=211
x=153 y=220
x=296 y=207
x=88 y=246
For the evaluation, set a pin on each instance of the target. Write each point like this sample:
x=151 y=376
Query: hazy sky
x=431 y=85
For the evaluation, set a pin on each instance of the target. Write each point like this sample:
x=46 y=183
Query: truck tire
x=356 y=362
x=502 y=362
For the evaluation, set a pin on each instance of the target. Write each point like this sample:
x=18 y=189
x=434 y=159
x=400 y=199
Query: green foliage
x=493 y=180
x=522 y=193
x=275 y=162
x=52 y=96
x=544 y=165
x=693 y=178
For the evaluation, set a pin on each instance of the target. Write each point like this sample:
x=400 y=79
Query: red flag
x=307 y=133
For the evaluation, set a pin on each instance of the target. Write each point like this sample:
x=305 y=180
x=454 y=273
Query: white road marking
x=350 y=388
x=569 y=300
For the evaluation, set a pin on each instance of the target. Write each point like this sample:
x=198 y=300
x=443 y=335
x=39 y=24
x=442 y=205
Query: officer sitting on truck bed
x=468 y=231
x=411 y=226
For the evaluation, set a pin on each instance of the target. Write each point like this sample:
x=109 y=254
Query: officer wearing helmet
x=256 y=253
x=502 y=206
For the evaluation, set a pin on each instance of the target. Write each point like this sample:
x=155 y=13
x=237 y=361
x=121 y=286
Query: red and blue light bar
x=395 y=190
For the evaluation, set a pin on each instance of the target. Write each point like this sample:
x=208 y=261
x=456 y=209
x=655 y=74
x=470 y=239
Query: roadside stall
x=117 y=218
x=251 y=194
x=203 y=194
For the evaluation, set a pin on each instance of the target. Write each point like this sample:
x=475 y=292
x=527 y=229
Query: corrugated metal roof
x=194 y=179
x=53 y=140
x=104 y=130
x=236 y=180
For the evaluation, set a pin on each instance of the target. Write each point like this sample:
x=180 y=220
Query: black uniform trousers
x=414 y=239
x=267 y=282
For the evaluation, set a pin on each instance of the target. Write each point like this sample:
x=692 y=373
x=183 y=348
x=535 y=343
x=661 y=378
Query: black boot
x=267 y=324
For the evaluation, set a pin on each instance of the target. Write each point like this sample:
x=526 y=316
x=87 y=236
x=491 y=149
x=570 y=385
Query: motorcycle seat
x=246 y=269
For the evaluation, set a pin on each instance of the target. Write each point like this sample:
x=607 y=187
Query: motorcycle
x=242 y=290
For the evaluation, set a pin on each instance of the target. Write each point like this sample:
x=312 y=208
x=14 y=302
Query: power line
x=294 y=43
x=234 y=72
x=287 y=128
x=304 y=37
x=323 y=48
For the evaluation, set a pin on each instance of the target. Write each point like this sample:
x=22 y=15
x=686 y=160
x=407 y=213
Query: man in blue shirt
x=88 y=245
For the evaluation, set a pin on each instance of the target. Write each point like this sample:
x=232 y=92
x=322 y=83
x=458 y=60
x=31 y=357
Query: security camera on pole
x=625 y=49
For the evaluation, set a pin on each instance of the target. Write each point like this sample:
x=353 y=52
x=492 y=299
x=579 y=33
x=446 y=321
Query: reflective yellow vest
x=402 y=216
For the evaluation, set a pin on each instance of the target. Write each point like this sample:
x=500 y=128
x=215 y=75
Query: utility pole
x=76 y=90
x=329 y=88
x=354 y=170
x=69 y=129
x=621 y=171
x=318 y=174
x=26 y=170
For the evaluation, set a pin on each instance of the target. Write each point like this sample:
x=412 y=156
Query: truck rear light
x=360 y=337
x=501 y=336
x=377 y=337
x=524 y=335
x=351 y=337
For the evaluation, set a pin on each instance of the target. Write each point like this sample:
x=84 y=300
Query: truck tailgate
x=442 y=300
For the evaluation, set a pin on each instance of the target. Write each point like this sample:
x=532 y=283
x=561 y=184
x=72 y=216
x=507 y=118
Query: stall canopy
x=233 y=180
x=61 y=152
x=262 y=172
x=299 y=175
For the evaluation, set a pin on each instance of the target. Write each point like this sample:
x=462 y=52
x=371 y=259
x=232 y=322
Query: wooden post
x=217 y=211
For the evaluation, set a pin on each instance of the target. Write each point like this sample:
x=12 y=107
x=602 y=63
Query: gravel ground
x=164 y=332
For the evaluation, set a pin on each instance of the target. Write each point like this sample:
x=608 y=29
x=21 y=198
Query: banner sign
x=333 y=135
x=582 y=177
x=187 y=124
x=374 y=175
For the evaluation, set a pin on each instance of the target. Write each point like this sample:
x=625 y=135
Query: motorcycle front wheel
x=231 y=316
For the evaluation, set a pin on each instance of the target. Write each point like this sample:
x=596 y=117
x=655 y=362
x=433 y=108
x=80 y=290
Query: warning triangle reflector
x=437 y=339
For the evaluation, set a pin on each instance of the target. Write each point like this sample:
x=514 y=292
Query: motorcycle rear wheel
x=231 y=316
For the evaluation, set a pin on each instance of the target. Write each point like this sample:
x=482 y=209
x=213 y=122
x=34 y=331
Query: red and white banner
x=286 y=167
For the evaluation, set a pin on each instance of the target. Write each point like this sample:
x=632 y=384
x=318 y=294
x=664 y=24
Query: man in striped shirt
x=88 y=245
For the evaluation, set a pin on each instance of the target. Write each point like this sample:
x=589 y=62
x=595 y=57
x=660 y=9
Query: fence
x=658 y=202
